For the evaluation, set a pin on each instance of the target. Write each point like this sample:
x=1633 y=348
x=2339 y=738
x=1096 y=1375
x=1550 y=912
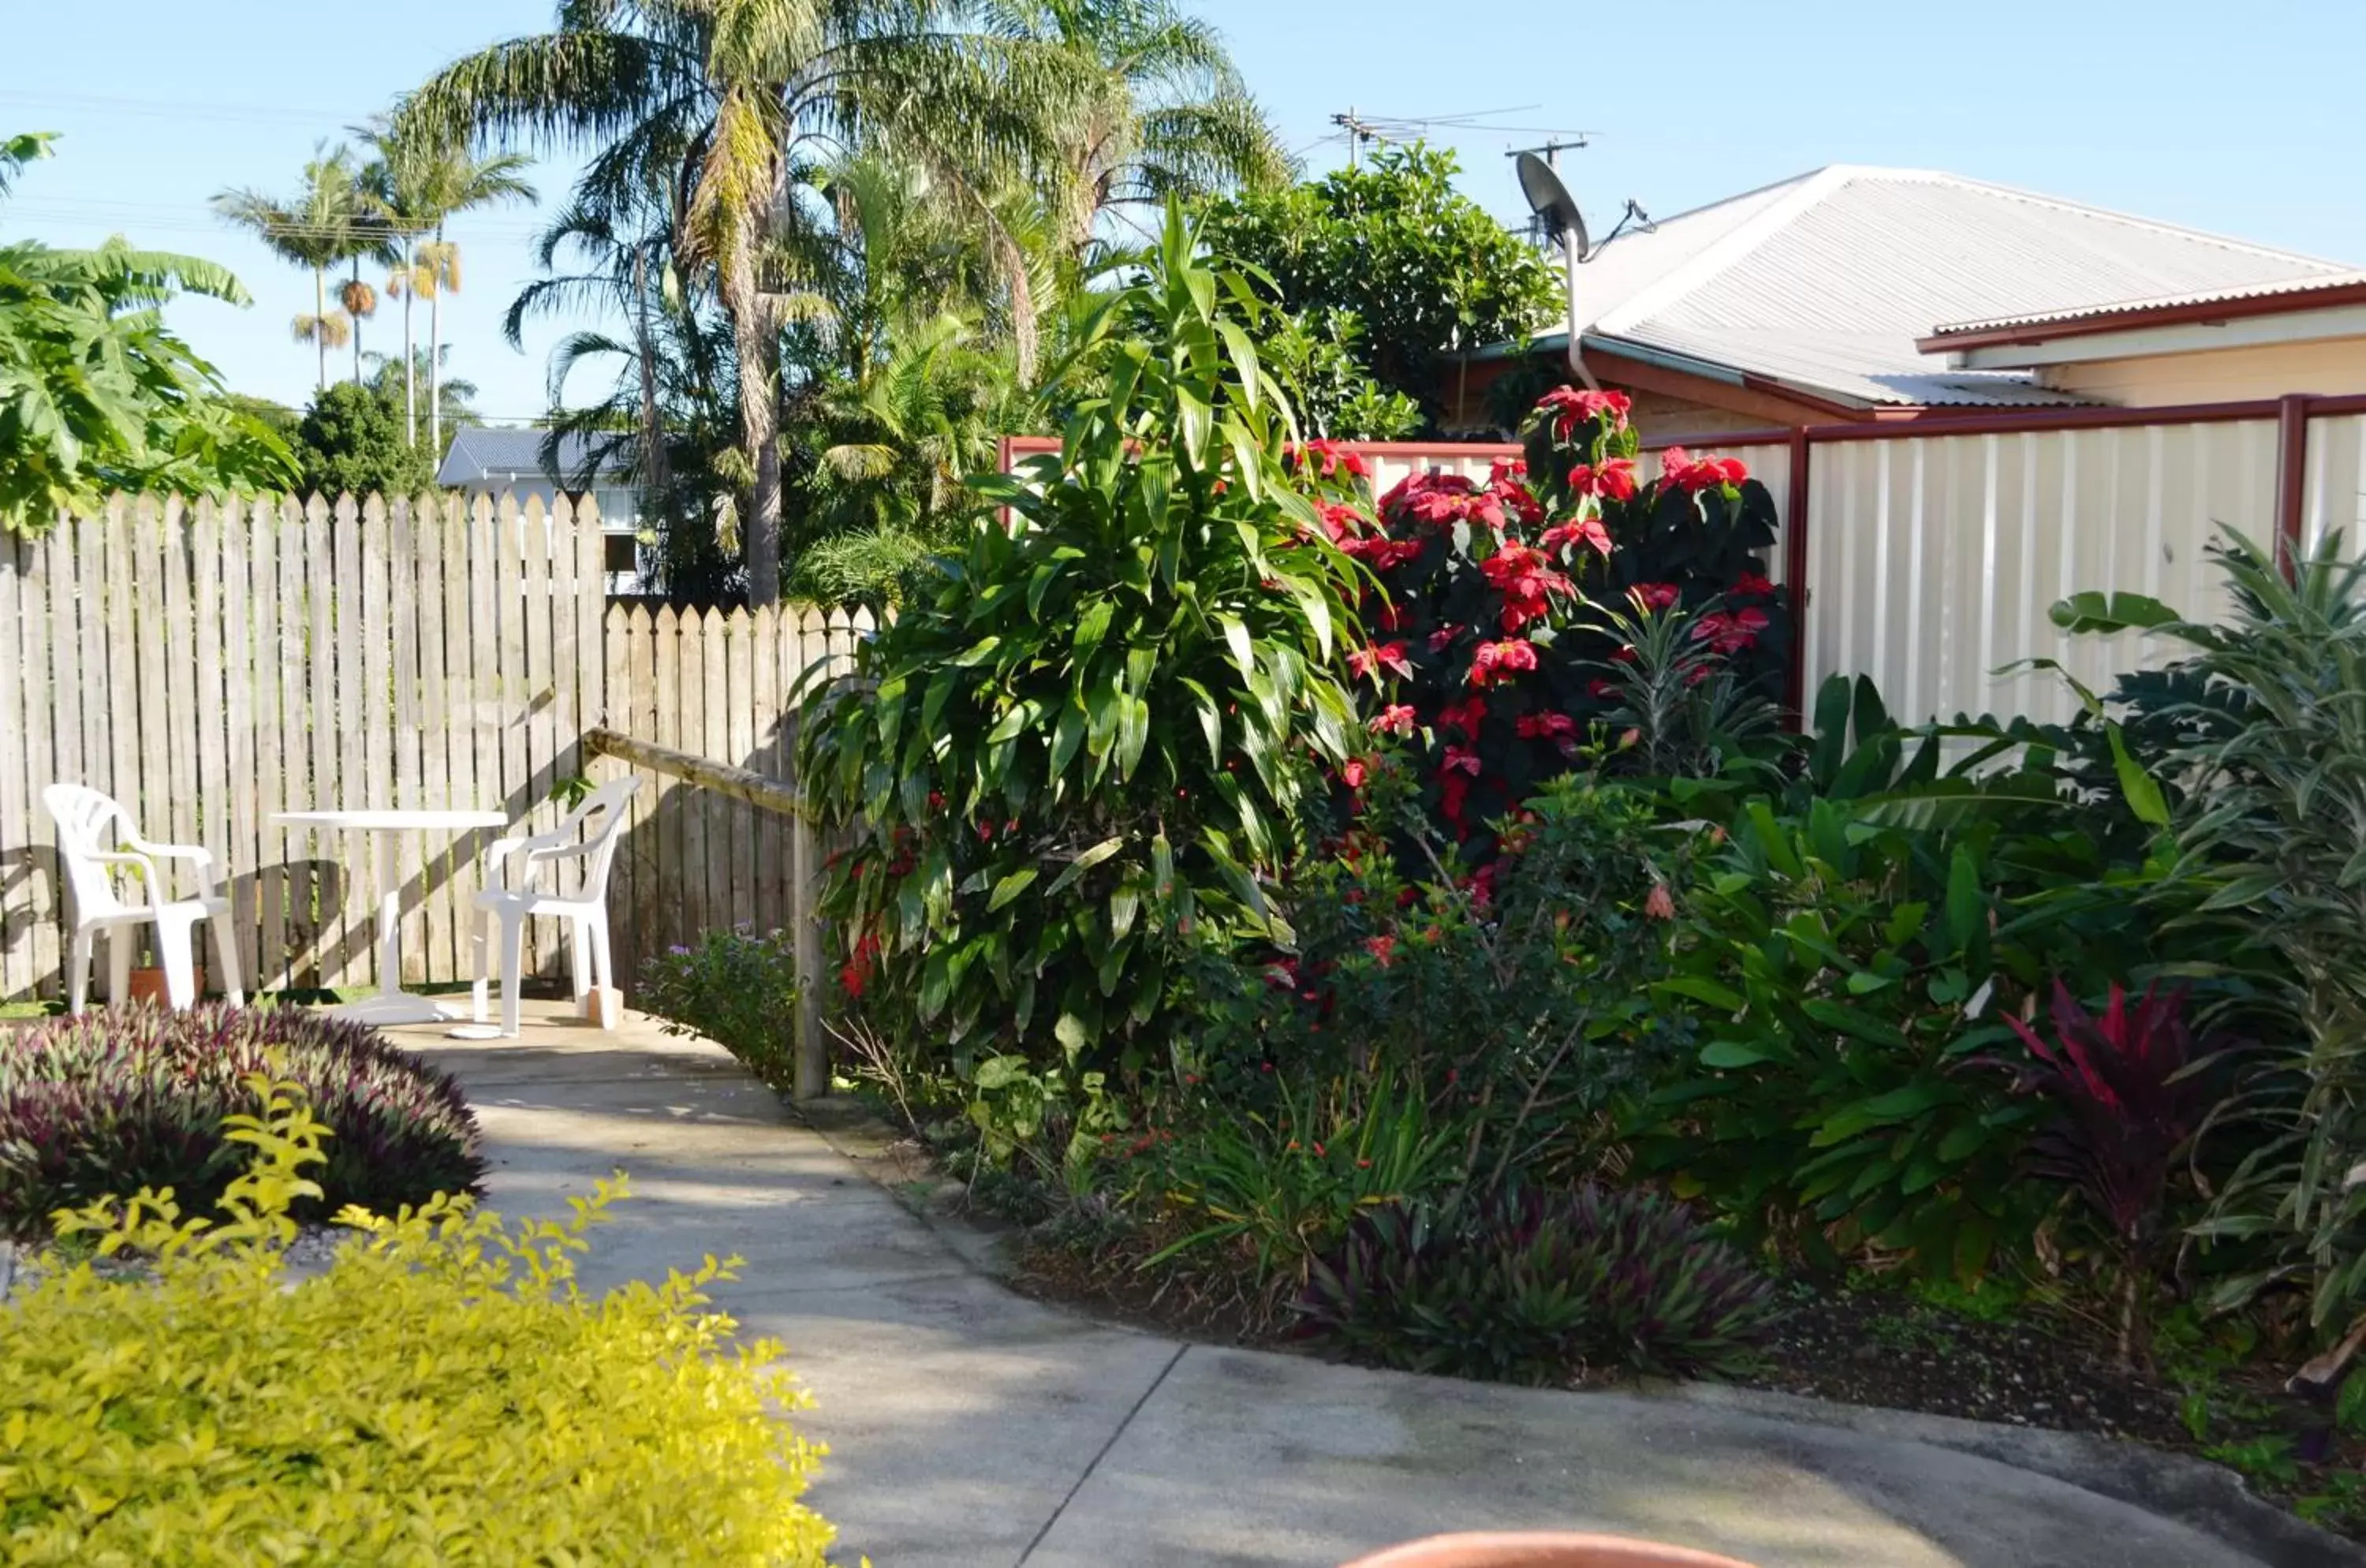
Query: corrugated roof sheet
x=1825 y=282
x=2299 y=286
x=480 y=452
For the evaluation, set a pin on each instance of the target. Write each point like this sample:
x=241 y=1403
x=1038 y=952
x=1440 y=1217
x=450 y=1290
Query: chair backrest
x=89 y=825
x=607 y=804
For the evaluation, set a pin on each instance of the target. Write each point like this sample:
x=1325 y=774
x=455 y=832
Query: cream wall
x=2218 y=376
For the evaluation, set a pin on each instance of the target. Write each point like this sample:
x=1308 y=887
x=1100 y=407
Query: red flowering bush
x=1516 y=991
x=1504 y=611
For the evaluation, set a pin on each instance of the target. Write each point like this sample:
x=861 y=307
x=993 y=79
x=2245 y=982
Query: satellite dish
x=1552 y=204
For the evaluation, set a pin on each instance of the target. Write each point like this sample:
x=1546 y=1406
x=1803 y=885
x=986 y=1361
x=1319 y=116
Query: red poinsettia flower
x=1441 y=637
x=1353 y=772
x=1435 y=498
x=1750 y=583
x=1586 y=530
x=1527 y=581
x=1657 y=595
x=1497 y=661
x=1731 y=631
x=1397 y=718
x=1327 y=457
x=1614 y=480
x=1518 y=500
x=1453 y=789
x=1340 y=521
x=1681 y=469
x=1543 y=725
x=1569 y=405
x=1466 y=715
x=1599 y=689
x=1462 y=759
x=1369 y=660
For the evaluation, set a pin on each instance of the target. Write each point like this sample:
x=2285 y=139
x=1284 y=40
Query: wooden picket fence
x=210 y=666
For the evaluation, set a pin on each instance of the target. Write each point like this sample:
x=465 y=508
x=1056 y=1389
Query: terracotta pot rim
x=1540 y=1548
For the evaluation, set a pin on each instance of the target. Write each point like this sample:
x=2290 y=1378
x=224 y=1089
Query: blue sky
x=2239 y=119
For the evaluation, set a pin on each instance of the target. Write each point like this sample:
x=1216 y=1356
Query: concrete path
x=972 y=1428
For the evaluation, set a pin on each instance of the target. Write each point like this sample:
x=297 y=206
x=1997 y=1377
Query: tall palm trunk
x=410 y=352
x=759 y=427
x=358 y=328
x=320 y=325
x=435 y=351
x=656 y=479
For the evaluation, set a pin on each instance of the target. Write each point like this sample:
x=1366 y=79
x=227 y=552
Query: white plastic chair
x=87 y=821
x=515 y=900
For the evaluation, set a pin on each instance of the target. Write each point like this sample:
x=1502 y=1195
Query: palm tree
x=419 y=183
x=719 y=102
x=1156 y=109
x=322 y=225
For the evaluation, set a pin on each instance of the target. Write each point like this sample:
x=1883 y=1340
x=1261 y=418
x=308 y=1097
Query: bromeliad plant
x=1504 y=615
x=1085 y=755
x=1536 y=1287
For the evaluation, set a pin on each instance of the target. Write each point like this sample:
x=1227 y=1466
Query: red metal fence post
x=1794 y=578
x=2291 y=478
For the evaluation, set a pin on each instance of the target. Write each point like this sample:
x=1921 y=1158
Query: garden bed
x=1874 y=1347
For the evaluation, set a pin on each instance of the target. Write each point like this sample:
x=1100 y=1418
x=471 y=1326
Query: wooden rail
x=739 y=783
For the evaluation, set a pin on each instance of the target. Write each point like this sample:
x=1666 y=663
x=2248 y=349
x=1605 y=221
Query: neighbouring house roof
x=2316 y=292
x=1826 y=283
x=484 y=454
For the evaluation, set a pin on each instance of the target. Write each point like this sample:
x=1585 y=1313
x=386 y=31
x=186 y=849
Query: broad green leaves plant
x=2272 y=825
x=1085 y=756
x=1848 y=962
x=96 y=395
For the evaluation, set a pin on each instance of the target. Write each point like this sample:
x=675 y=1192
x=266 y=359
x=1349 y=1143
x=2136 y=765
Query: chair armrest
x=497 y=854
x=200 y=858
x=149 y=873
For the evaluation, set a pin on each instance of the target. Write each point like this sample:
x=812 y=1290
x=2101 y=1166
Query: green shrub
x=1264 y=1193
x=736 y=988
x=441 y=1394
x=1514 y=994
x=1846 y=959
x=2270 y=823
x=1083 y=756
x=106 y=1104
x=1539 y=1288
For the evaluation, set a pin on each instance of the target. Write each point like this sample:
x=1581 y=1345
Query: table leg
x=393 y=1004
x=390 y=917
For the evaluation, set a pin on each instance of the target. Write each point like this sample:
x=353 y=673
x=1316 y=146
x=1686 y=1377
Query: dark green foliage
x=1516 y=993
x=1540 y=1288
x=1314 y=356
x=110 y=1101
x=1423 y=270
x=736 y=988
x=1086 y=753
x=1845 y=958
x=352 y=442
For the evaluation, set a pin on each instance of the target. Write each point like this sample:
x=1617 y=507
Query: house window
x=620 y=552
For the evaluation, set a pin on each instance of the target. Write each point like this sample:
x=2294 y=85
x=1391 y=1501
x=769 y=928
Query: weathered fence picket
x=210 y=666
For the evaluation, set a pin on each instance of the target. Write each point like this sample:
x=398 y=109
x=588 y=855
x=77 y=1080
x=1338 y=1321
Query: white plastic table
x=392 y=1004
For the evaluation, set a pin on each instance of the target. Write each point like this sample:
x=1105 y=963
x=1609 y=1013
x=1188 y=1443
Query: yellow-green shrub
x=441 y=1393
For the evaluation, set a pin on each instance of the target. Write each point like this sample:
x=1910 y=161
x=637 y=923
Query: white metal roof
x=1825 y=282
x=2282 y=287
